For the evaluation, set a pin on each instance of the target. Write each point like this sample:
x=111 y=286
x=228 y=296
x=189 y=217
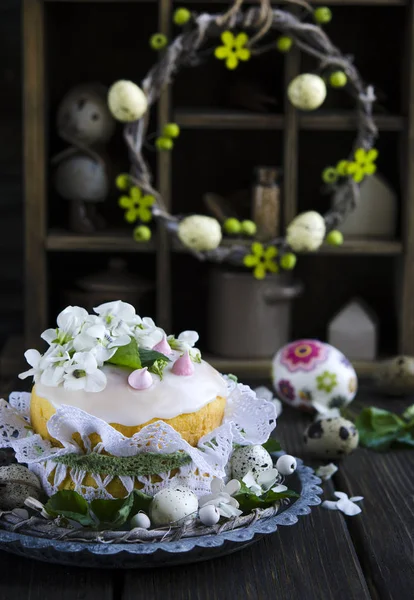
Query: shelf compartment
x=103 y=241
x=227 y=119
x=347 y=121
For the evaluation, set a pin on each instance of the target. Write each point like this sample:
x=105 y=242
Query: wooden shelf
x=347 y=121
x=262 y=368
x=106 y=241
x=363 y=247
x=226 y=119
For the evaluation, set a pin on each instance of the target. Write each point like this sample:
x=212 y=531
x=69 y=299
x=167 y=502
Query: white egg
x=331 y=438
x=307 y=91
x=209 y=515
x=200 y=233
x=173 y=505
x=140 y=520
x=250 y=458
x=306 y=232
x=17 y=484
x=126 y=101
x=312 y=375
x=286 y=464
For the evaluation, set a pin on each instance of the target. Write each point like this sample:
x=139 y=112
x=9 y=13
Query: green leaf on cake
x=149 y=357
x=272 y=445
x=146 y=463
x=127 y=356
x=249 y=501
x=71 y=505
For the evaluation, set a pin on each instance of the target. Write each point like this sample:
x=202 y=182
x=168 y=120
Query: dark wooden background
x=11 y=180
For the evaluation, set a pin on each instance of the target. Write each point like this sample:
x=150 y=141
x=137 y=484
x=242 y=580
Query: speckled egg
x=331 y=438
x=310 y=375
x=395 y=377
x=16 y=484
x=250 y=458
x=173 y=505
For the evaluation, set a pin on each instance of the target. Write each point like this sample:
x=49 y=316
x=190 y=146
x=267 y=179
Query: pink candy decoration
x=163 y=346
x=140 y=379
x=183 y=365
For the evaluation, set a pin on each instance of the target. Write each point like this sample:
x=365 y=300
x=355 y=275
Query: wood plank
x=226 y=119
x=347 y=121
x=314 y=559
x=290 y=144
x=383 y=535
x=32 y=580
x=407 y=307
x=163 y=258
x=117 y=240
x=34 y=166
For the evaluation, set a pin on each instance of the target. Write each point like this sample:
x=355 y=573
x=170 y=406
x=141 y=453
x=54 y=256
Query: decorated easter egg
x=331 y=438
x=312 y=375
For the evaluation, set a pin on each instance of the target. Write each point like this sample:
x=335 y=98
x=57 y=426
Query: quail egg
x=331 y=438
x=250 y=458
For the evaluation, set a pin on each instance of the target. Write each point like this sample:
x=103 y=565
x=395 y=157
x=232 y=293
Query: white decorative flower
x=97 y=337
x=83 y=374
x=266 y=394
x=263 y=482
x=69 y=324
x=34 y=359
x=344 y=504
x=148 y=334
x=47 y=368
x=221 y=496
x=185 y=343
x=325 y=472
x=119 y=317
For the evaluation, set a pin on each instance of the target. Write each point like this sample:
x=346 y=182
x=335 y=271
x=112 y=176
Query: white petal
x=71 y=318
x=49 y=335
x=212 y=499
x=52 y=376
x=148 y=323
x=33 y=357
x=341 y=495
x=326 y=471
x=348 y=508
x=278 y=406
x=217 y=485
x=267 y=477
x=97 y=331
x=226 y=510
x=330 y=505
x=188 y=337
x=122 y=340
x=232 y=487
x=86 y=361
x=29 y=373
x=249 y=479
x=126 y=312
x=264 y=393
x=279 y=488
x=83 y=341
x=95 y=382
x=356 y=498
x=107 y=307
x=74 y=383
x=233 y=502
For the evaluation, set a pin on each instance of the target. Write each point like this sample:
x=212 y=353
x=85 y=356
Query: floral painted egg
x=312 y=375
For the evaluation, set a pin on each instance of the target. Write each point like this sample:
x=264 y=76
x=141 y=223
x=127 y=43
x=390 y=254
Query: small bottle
x=266 y=203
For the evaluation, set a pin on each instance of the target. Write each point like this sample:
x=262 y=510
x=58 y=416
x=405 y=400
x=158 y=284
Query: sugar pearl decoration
x=173 y=505
x=140 y=379
x=126 y=101
x=307 y=91
x=140 y=520
x=286 y=464
x=209 y=515
x=183 y=366
x=163 y=346
x=17 y=484
x=306 y=232
x=200 y=233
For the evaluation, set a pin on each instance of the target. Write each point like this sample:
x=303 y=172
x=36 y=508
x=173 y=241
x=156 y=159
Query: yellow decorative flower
x=137 y=206
x=233 y=50
x=363 y=164
x=261 y=259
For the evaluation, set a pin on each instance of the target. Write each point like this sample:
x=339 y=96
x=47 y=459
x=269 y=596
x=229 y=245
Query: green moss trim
x=149 y=463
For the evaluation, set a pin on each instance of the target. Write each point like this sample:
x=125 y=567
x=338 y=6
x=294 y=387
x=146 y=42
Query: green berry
x=122 y=182
x=288 y=261
x=329 y=175
x=322 y=15
x=171 y=130
x=164 y=143
x=158 y=41
x=181 y=16
x=284 y=43
x=338 y=79
x=248 y=228
x=342 y=168
x=142 y=233
x=335 y=238
x=232 y=226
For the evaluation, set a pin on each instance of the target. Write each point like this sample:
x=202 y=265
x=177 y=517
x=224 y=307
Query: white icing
x=165 y=399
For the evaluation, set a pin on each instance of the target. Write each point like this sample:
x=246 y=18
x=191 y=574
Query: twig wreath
x=240 y=33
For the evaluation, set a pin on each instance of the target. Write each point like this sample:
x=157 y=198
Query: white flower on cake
x=83 y=374
x=69 y=323
x=148 y=334
x=119 y=317
x=222 y=497
x=49 y=367
x=263 y=482
x=97 y=336
x=186 y=342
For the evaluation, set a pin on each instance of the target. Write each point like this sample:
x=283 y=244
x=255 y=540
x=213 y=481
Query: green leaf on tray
x=381 y=430
x=272 y=445
x=71 y=505
x=127 y=356
x=112 y=513
x=249 y=501
x=145 y=463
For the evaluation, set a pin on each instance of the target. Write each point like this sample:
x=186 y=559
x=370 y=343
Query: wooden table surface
x=325 y=555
